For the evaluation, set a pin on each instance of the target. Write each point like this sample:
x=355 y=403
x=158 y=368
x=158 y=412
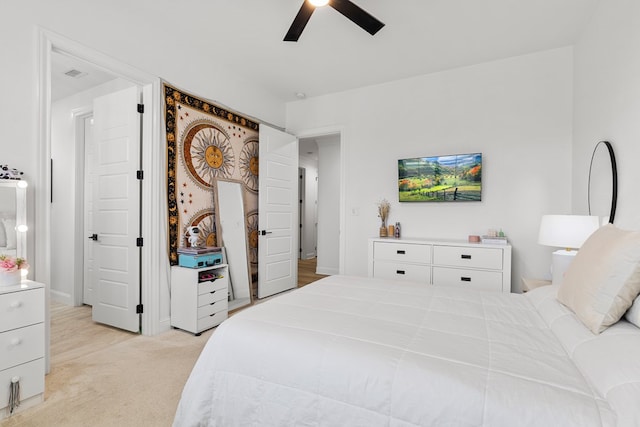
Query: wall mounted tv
x=453 y=178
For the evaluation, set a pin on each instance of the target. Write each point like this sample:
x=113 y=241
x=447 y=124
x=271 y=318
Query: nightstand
x=530 y=284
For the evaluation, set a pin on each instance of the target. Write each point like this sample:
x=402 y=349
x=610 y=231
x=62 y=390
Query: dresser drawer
x=459 y=256
x=215 y=286
x=402 y=252
x=212 y=320
x=211 y=297
x=31 y=377
x=394 y=270
x=21 y=345
x=475 y=279
x=18 y=309
x=212 y=307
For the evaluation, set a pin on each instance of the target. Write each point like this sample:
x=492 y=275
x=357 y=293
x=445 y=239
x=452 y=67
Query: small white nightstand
x=530 y=284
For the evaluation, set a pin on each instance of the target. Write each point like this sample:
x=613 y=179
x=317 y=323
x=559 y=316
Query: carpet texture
x=135 y=382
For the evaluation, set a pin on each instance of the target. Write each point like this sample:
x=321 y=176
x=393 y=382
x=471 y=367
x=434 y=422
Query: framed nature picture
x=452 y=178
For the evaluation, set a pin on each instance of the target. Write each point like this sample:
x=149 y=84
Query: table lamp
x=568 y=232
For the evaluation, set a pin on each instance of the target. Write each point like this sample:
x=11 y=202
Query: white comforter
x=349 y=351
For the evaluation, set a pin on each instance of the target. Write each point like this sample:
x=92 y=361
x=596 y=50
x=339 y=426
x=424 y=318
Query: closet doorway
x=95 y=200
x=320 y=195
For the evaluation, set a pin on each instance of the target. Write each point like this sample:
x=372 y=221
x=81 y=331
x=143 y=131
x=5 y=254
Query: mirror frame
x=236 y=268
x=20 y=187
x=614 y=172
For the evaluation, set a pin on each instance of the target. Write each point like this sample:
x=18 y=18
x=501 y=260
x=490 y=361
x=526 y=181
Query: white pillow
x=633 y=314
x=10 y=232
x=604 y=278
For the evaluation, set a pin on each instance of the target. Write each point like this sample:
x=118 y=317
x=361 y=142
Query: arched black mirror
x=603 y=182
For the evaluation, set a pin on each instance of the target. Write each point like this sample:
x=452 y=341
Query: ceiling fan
x=358 y=15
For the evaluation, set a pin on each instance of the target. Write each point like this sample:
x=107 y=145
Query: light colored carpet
x=106 y=377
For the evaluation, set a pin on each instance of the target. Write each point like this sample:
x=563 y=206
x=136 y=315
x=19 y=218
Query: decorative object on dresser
x=442 y=262
x=22 y=346
x=11 y=269
x=199 y=297
x=383 y=213
x=565 y=231
x=194 y=257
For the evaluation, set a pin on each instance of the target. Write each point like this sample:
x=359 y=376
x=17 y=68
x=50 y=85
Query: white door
x=278 y=212
x=116 y=213
x=89 y=191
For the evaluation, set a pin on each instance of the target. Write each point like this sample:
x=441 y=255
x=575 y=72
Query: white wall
x=328 y=207
x=65 y=193
x=309 y=209
x=607 y=103
x=517 y=112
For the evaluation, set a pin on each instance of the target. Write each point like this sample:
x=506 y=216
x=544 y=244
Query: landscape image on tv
x=453 y=178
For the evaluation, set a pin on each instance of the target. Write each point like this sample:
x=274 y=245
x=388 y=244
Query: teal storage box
x=199 y=260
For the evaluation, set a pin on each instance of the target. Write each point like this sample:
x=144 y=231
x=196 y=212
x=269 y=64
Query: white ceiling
x=333 y=54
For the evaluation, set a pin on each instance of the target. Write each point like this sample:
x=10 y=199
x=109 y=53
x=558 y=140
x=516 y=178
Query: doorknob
x=94 y=237
x=264 y=232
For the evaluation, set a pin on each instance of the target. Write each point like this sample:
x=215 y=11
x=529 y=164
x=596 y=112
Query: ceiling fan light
x=319 y=3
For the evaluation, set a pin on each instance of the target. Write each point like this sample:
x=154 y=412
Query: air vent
x=75 y=73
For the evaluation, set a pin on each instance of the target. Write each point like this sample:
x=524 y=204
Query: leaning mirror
x=232 y=236
x=603 y=182
x=13 y=218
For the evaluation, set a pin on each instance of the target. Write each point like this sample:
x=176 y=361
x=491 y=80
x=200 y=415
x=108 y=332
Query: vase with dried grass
x=383 y=214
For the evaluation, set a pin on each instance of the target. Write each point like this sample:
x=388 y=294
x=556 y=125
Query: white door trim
x=155 y=268
x=332 y=130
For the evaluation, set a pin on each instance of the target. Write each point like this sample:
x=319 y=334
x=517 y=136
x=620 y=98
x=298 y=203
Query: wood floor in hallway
x=307 y=271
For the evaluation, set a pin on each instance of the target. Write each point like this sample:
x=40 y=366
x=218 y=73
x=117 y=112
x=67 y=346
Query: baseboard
x=326 y=271
x=61 y=297
x=164 y=325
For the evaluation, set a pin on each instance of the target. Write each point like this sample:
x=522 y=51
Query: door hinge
x=139 y=309
x=140 y=174
x=141 y=108
x=139 y=242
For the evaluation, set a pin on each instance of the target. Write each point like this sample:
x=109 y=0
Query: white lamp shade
x=566 y=231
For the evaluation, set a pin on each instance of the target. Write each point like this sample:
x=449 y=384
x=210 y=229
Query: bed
x=354 y=351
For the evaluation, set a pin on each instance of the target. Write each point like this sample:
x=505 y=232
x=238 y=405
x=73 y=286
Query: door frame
x=333 y=130
x=154 y=268
x=79 y=117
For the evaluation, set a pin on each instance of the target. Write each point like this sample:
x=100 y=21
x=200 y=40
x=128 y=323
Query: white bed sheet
x=352 y=351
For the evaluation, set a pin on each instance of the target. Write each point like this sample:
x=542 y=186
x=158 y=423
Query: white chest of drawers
x=22 y=343
x=199 y=297
x=442 y=262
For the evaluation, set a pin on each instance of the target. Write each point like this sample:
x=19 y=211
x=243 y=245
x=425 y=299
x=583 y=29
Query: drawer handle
x=399 y=271
x=213 y=292
x=400 y=252
x=211 y=303
x=211 y=315
x=465 y=279
x=15 y=304
x=463 y=256
x=16 y=342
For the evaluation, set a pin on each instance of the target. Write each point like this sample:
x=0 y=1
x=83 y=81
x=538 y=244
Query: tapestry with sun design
x=204 y=142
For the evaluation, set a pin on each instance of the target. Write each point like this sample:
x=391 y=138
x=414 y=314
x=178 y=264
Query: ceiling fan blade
x=358 y=15
x=299 y=22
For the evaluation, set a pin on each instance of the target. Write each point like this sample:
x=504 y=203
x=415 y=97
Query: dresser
x=442 y=262
x=199 y=297
x=22 y=343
